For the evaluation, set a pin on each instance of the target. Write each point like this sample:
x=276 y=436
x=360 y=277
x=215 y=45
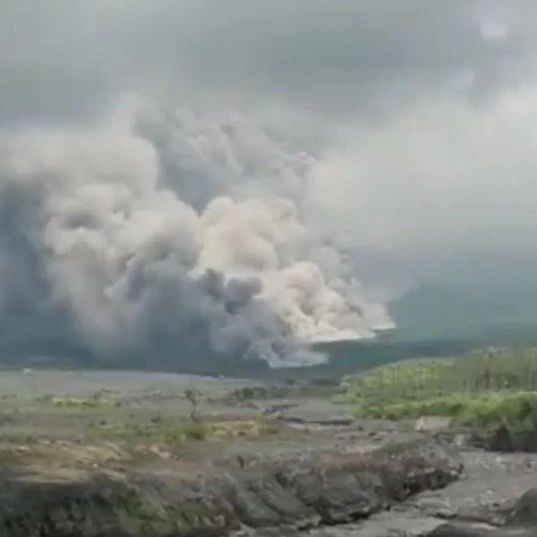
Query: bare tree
x=193 y=397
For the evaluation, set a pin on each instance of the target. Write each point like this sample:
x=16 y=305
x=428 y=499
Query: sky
x=400 y=135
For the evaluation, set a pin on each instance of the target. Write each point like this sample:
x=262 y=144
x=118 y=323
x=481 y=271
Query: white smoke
x=184 y=223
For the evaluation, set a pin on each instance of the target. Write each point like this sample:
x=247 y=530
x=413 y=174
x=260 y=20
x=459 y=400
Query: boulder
x=506 y=439
x=464 y=530
x=525 y=510
x=520 y=522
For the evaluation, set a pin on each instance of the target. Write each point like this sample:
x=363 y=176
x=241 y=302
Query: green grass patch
x=167 y=434
x=94 y=401
x=173 y=434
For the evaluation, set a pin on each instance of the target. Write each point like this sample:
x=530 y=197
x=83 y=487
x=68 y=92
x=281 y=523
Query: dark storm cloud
x=65 y=58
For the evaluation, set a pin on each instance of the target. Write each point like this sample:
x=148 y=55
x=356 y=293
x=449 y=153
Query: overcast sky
x=420 y=115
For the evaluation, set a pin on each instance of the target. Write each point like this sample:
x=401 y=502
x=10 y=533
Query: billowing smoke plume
x=151 y=228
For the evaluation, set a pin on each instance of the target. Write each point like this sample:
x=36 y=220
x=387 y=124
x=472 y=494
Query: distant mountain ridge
x=464 y=311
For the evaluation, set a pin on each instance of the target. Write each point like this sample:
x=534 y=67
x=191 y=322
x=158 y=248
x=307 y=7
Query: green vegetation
x=482 y=387
x=401 y=381
x=167 y=434
x=97 y=400
x=173 y=434
x=150 y=517
x=482 y=409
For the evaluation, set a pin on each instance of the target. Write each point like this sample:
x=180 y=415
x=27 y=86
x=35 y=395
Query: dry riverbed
x=97 y=454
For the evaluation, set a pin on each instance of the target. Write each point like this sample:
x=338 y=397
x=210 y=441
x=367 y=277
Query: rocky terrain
x=138 y=454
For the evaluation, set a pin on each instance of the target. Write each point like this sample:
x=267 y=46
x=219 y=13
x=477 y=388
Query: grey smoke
x=129 y=259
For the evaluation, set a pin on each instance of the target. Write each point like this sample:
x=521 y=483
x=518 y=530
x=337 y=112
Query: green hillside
x=480 y=387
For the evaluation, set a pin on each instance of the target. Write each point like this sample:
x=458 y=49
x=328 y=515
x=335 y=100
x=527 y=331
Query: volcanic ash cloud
x=128 y=259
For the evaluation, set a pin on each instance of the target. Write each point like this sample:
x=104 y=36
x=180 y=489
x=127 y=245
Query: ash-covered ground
x=123 y=453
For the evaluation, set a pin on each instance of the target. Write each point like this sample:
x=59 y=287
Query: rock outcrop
x=323 y=489
x=520 y=521
x=507 y=439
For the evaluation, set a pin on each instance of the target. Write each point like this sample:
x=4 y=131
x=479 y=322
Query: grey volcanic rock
x=520 y=521
x=486 y=492
x=525 y=510
x=483 y=502
x=320 y=412
x=506 y=439
x=289 y=495
x=464 y=530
